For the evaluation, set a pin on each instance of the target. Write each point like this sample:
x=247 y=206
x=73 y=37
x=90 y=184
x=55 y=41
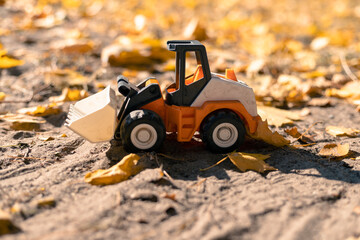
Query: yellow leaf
x=248 y=161
x=62 y=78
x=69 y=95
x=71 y=3
x=169 y=67
x=278 y=117
x=75 y=94
x=130 y=59
x=138 y=54
x=42 y=110
x=63 y=135
x=7 y=62
x=195 y=30
x=314 y=74
x=78 y=48
x=126 y=168
x=335 y=150
x=340 y=37
x=22 y=122
x=342 y=131
x=6 y=225
x=293 y=45
x=265 y=134
x=100 y=85
x=350 y=91
x=2 y=96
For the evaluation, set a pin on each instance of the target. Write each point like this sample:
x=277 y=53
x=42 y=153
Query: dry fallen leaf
x=138 y=54
x=126 y=168
x=6 y=225
x=8 y=62
x=45 y=202
x=41 y=110
x=80 y=47
x=320 y=102
x=278 y=117
x=265 y=134
x=250 y=161
x=62 y=78
x=69 y=95
x=46 y=139
x=351 y=92
x=342 y=131
x=335 y=150
x=195 y=30
x=2 y=96
x=246 y=161
x=293 y=132
x=301 y=137
x=22 y=122
x=171 y=196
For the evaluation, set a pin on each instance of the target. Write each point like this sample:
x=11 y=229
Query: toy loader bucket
x=94 y=118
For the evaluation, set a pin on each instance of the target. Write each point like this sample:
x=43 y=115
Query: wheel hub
x=224 y=133
x=143 y=135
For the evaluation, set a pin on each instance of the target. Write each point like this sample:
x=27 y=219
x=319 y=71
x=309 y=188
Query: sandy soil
x=307 y=198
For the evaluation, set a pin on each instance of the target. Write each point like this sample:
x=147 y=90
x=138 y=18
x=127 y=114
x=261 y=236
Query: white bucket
x=94 y=118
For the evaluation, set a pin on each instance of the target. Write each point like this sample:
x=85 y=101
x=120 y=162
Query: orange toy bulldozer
x=221 y=108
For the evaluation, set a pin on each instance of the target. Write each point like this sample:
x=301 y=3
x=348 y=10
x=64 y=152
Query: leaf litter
x=246 y=161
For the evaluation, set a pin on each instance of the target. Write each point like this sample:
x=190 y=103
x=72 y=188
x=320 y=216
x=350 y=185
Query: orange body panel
x=186 y=120
x=230 y=74
x=157 y=106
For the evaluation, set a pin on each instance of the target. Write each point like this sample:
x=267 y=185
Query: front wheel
x=142 y=130
x=222 y=132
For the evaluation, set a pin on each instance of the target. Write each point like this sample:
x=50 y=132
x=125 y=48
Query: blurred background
x=289 y=51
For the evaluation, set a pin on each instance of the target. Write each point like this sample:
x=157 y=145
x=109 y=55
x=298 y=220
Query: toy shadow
x=184 y=161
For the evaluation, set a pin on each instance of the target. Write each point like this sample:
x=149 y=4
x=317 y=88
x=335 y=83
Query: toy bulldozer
x=220 y=107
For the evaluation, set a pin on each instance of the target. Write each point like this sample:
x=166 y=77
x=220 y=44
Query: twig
x=205 y=169
x=27 y=152
x=198 y=183
x=307 y=130
x=162 y=170
x=26 y=101
x=346 y=68
x=27 y=158
x=166 y=174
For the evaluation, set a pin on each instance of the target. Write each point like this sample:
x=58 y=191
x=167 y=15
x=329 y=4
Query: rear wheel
x=142 y=130
x=222 y=132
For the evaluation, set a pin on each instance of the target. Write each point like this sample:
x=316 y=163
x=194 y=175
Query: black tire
x=142 y=130
x=226 y=123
